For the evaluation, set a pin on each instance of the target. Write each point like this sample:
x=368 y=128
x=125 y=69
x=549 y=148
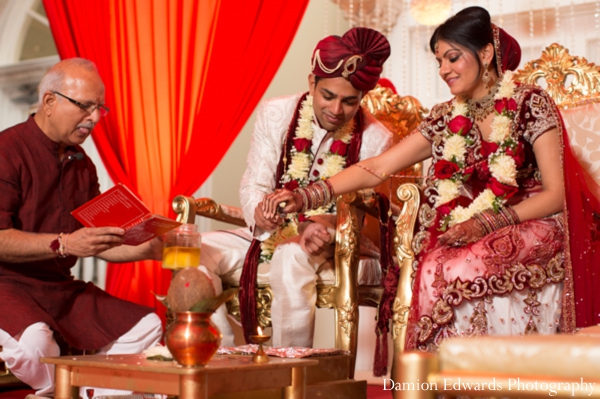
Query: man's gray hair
x=54 y=78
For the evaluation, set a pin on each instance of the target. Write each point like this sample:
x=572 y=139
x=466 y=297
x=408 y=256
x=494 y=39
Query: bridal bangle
x=316 y=195
x=491 y=221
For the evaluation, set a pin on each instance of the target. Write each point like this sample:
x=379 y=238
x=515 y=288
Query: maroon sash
x=248 y=290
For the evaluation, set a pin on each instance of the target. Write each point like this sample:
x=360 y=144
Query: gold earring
x=486 y=76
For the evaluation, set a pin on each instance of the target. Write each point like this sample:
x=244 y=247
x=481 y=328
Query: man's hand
x=90 y=241
x=315 y=239
x=155 y=248
x=265 y=222
x=292 y=201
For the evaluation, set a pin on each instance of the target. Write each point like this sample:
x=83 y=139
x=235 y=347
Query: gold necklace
x=481 y=108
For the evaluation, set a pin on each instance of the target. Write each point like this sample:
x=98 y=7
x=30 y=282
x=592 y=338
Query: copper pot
x=192 y=338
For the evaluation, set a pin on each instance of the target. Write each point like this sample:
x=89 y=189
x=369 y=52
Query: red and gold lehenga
x=538 y=276
x=509 y=282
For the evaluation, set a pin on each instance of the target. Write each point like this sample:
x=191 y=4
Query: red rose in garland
x=339 y=147
x=488 y=147
x=504 y=104
x=446 y=208
x=445 y=169
x=518 y=154
x=302 y=145
x=500 y=105
x=501 y=190
x=460 y=125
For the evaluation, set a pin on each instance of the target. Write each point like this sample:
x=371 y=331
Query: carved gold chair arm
x=187 y=208
x=409 y=195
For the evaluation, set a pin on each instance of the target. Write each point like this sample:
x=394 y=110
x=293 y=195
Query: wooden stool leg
x=410 y=372
x=62 y=376
x=296 y=390
x=193 y=387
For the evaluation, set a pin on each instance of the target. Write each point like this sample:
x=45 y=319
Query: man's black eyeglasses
x=87 y=108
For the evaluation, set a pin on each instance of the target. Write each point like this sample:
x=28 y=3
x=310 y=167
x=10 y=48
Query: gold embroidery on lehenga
x=442 y=312
x=556 y=268
x=478 y=323
x=532 y=303
x=517 y=277
x=499 y=285
x=420 y=241
x=426 y=216
x=537 y=278
x=424 y=329
x=531 y=328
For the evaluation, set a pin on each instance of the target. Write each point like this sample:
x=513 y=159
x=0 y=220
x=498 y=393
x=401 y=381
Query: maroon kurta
x=37 y=194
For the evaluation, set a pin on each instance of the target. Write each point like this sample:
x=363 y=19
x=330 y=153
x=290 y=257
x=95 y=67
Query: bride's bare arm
x=414 y=148
x=550 y=200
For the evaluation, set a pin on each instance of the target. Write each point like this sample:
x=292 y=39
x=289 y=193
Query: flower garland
x=503 y=152
x=297 y=173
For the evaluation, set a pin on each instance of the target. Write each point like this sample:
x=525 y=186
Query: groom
x=297 y=140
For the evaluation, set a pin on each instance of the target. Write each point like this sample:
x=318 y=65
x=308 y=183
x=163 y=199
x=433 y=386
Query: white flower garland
x=502 y=166
x=299 y=168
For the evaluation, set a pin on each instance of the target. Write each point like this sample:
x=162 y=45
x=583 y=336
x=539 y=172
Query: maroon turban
x=357 y=56
x=508 y=51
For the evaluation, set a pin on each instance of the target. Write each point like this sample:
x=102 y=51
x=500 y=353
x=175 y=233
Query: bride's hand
x=463 y=233
x=291 y=201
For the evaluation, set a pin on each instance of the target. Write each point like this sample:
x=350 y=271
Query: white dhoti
x=22 y=353
x=292 y=275
x=293 y=278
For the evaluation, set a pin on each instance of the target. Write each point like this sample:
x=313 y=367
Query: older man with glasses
x=44 y=175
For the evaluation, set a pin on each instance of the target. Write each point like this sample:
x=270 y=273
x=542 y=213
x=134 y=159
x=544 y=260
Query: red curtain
x=182 y=77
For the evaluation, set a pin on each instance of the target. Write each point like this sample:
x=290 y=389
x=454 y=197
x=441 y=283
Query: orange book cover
x=120 y=207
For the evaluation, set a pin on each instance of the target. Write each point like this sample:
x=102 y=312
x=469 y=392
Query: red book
x=119 y=207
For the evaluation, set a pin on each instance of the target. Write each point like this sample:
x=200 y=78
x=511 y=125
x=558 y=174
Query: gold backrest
x=574 y=84
x=401 y=115
x=571 y=81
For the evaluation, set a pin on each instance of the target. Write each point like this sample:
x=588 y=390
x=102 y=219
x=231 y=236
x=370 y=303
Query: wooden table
x=223 y=374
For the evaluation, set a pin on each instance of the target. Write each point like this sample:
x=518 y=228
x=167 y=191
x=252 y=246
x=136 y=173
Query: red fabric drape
x=182 y=77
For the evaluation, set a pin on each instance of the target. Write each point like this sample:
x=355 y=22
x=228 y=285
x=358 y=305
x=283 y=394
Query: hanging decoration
x=430 y=12
x=376 y=14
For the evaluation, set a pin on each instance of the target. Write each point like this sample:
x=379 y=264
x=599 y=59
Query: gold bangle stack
x=491 y=221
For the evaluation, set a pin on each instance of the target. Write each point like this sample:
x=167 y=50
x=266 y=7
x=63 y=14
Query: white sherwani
x=292 y=273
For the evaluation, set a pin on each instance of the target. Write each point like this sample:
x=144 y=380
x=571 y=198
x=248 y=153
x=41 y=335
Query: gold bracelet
x=381 y=176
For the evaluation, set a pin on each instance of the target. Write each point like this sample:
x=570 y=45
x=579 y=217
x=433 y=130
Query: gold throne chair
x=345 y=293
x=494 y=364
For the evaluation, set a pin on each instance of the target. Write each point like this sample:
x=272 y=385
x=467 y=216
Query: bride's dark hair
x=470 y=28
